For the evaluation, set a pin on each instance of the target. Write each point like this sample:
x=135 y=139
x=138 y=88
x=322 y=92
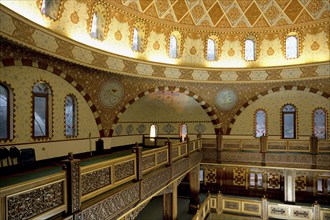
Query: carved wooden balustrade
x=43 y=197
x=103 y=190
x=270 y=151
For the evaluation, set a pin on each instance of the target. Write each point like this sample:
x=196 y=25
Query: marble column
x=290 y=186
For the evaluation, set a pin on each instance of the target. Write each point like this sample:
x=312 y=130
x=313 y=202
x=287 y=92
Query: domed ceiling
x=230 y=13
x=68 y=36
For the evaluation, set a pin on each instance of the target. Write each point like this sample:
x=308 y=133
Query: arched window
x=249 y=49
x=5 y=119
x=41 y=105
x=260 y=119
x=99 y=20
x=319 y=123
x=94 y=29
x=291 y=47
x=173 y=47
x=135 y=44
x=153 y=132
x=50 y=8
x=70 y=116
x=288 y=121
x=183 y=132
x=211 y=49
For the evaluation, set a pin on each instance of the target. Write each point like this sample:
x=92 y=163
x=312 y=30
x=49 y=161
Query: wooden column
x=170 y=204
x=194 y=189
x=72 y=168
x=169 y=149
x=263 y=149
x=218 y=147
x=138 y=153
x=314 y=150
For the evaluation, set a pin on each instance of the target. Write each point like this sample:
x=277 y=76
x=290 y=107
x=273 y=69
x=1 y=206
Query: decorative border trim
x=207 y=108
x=275 y=89
x=42 y=65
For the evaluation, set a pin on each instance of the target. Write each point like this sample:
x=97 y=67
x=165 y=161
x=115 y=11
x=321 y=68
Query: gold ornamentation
x=270 y=51
x=24 y=32
x=315 y=46
x=156 y=45
x=118 y=35
x=231 y=52
x=100 y=60
x=64 y=48
x=193 y=51
x=74 y=17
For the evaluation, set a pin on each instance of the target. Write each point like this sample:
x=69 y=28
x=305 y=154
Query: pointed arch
x=45 y=66
x=207 y=108
x=275 y=89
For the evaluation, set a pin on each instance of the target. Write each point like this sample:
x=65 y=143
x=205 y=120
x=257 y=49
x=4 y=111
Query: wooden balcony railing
x=75 y=186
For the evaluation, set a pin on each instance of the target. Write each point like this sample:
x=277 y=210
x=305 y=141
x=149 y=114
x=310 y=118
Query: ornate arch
x=207 y=108
x=276 y=89
x=45 y=66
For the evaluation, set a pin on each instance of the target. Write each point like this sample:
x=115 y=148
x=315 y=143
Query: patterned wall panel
x=148 y=161
x=31 y=203
x=109 y=207
x=210 y=175
x=301 y=184
x=94 y=180
x=274 y=181
x=239 y=178
x=124 y=170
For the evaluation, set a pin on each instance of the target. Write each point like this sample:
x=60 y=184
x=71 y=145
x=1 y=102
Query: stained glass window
x=249 y=50
x=4 y=112
x=40 y=108
x=260 y=123
x=70 y=116
x=210 y=49
x=135 y=45
x=319 y=124
x=289 y=121
x=291 y=45
x=173 y=47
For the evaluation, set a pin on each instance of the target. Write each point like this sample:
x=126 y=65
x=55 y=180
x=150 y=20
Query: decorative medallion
x=226 y=99
x=193 y=51
x=231 y=52
x=118 y=35
x=270 y=51
x=74 y=17
x=111 y=93
x=315 y=46
x=156 y=45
